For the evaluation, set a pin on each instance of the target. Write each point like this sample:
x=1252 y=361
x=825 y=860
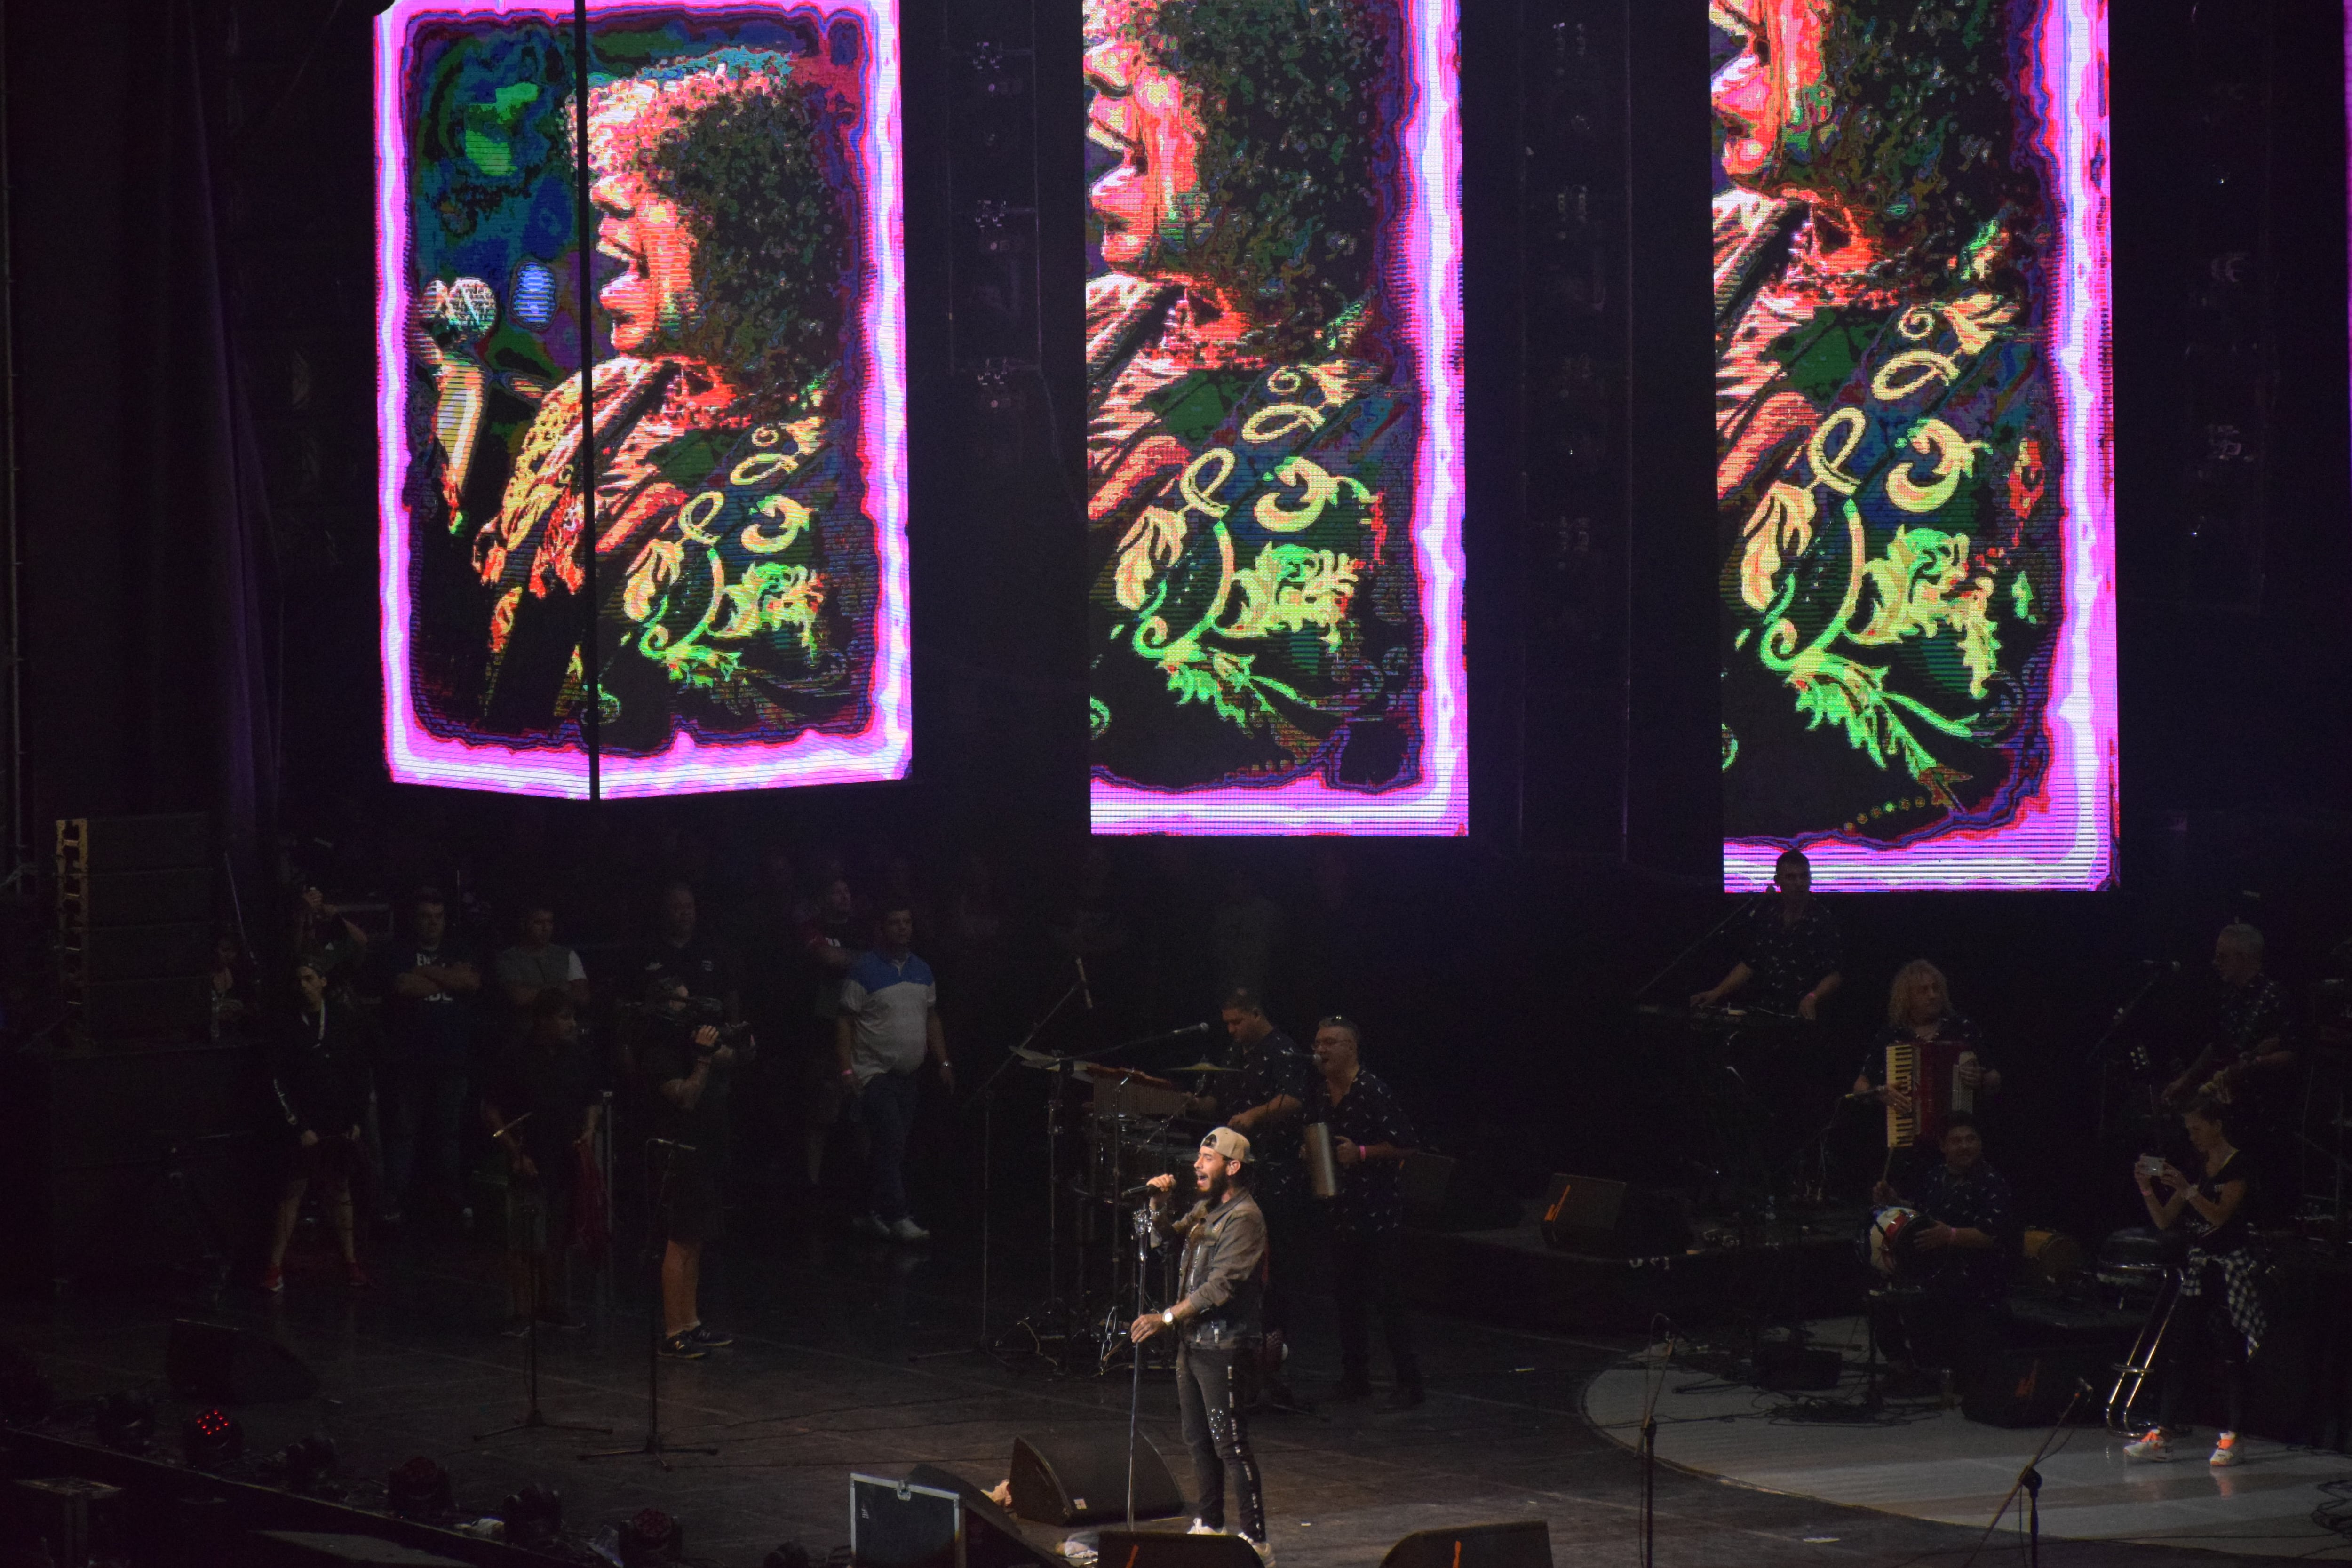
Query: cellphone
x=2151 y=1165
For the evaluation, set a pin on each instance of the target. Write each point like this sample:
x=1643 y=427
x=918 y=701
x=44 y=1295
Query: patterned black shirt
x=1978 y=1201
x=1788 y=960
x=2250 y=1016
x=1274 y=1067
x=1371 y=1194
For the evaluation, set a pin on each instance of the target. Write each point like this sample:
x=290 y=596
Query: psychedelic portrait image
x=1914 y=474
x=1274 y=417
x=747 y=554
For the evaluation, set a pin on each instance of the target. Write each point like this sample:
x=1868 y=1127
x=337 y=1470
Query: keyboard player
x=1920 y=1018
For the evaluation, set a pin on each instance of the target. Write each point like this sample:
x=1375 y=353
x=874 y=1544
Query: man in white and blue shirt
x=890 y=1023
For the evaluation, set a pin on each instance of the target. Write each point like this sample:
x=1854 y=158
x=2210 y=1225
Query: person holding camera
x=2220 y=1318
x=889 y=1024
x=689 y=1062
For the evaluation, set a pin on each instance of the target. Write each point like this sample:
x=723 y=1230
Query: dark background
x=193 y=286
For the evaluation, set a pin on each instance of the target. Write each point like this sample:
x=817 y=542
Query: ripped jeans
x=1210 y=1403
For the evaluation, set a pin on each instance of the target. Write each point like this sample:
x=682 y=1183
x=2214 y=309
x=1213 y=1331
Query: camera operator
x=689 y=1059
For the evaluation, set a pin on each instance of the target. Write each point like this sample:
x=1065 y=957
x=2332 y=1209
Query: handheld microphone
x=1083 y=989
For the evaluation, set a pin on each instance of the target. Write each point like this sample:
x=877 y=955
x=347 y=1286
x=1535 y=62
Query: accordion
x=1930 y=1072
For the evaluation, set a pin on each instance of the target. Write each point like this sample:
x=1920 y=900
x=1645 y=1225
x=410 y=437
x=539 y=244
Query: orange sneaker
x=2227 y=1450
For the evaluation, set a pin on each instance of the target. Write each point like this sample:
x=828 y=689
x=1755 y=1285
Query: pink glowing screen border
x=1430 y=284
x=2063 y=838
x=880 y=750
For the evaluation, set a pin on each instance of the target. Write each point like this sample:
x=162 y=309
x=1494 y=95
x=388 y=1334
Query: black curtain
x=147 y=611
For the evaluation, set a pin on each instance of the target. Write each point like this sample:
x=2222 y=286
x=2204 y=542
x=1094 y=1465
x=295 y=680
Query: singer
x=1217 y=1321
x=735 y=577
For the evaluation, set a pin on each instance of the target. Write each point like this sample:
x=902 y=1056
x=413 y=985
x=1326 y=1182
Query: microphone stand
x=1717 y=930
x=534 y=1297
x=2096 y=1054
x=1649 y=1454
x=1142 y=1224
x=2029 y=1481
x=654 y=1447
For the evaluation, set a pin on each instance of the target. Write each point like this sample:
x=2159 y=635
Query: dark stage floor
x=825 y=1381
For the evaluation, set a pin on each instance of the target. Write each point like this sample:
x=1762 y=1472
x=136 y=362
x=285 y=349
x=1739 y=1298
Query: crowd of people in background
x=440 y=1060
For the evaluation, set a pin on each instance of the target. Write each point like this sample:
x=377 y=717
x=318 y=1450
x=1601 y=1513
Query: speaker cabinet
x=1601 y=1218
x=1063 y=1479
x=224 y=1365
x=1522 y=1543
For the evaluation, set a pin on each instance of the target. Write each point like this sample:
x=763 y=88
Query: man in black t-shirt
x=541 y=1107
x=429 y=988
x=1370 y=1136
x=683 y=954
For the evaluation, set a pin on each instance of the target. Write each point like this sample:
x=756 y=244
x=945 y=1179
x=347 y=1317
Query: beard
x=1215 y=1188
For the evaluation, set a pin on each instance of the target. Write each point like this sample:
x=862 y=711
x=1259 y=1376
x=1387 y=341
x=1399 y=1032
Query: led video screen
x=1274 y=449
x=1914 y=478
x=745 y=411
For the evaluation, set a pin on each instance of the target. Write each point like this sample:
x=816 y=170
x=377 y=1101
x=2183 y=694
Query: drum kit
x=1109 y=1129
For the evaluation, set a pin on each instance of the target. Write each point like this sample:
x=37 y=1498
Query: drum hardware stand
x=1023 y=1052
x=2029 y=1481
x=654 y=1447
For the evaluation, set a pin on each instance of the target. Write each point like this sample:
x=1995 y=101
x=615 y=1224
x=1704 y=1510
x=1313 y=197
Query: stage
x=838 y=1370
x=1920 y=1461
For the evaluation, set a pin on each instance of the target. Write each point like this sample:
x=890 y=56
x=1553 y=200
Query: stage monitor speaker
x=1061 y=1478
x=991 y=1537
x=2031 y=1388
x=1610 y=1219
x=1171 y=1549
x=227 y=1366
x=1521 y=1543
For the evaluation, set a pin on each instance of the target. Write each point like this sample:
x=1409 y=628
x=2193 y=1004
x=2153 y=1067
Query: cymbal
x=1203 y=1066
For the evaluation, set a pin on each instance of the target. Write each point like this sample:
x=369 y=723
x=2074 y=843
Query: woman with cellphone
x=2220 y=1317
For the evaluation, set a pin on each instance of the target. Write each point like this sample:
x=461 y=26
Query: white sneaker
x=2154 y=1445
x=906 y=1229
x=1264 y=1552
x=1201 y=1527
x=2227 y=1450
x=870 y=1224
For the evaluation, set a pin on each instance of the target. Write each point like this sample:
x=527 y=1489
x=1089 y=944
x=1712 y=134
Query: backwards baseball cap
x=1228 y=1143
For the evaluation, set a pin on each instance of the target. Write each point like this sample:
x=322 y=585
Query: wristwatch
x=1168 y=1317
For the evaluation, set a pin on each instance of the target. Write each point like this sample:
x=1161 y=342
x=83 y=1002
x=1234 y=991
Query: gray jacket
x=1222 y=1272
